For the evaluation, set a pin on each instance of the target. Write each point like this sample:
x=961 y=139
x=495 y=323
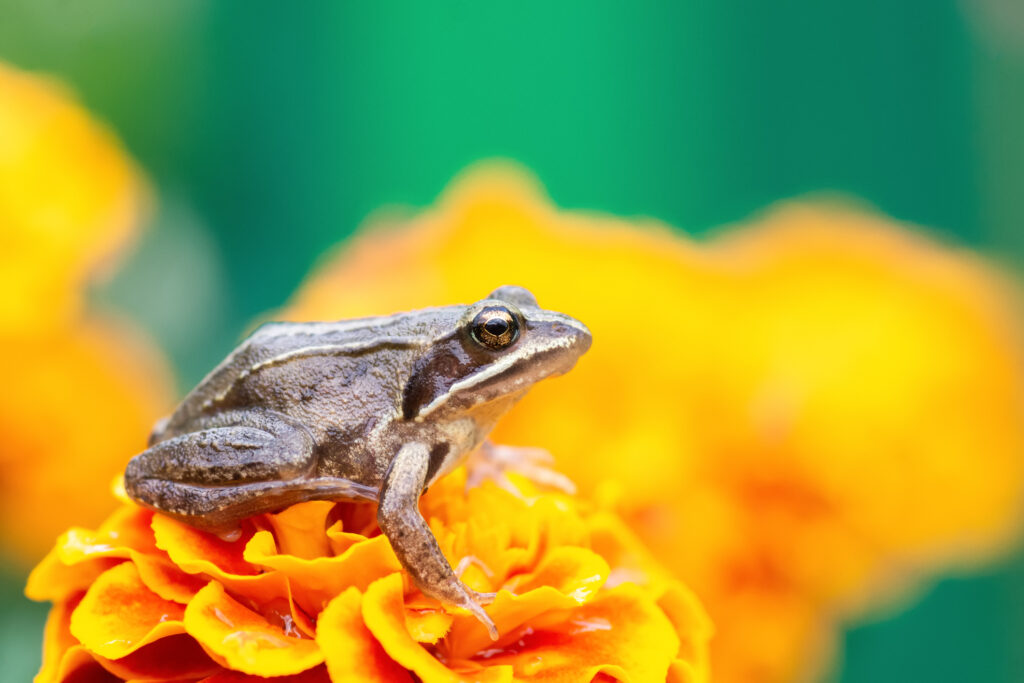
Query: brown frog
x=373 y=409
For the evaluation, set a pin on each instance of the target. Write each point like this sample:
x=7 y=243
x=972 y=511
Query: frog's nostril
x=561 y=329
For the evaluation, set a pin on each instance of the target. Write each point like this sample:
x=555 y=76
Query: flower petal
x=52 y=580
x=166 y=579
x=621 y=633
x=384 y=615
x=244 y=640
x=316 y=675
x=565 y=578
x=198 y=552
x=119 y=614
x=57 y=639
x=80 y=555
x=351 y=651
x=299 y=530
x=175 y=657
x=78 y=665
x=315 y=582
x=341 y=540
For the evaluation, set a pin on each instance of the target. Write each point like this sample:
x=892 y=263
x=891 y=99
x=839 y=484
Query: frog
x=371 y=410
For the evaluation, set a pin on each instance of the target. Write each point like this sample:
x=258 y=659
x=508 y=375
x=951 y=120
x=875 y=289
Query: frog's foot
x=492 y=461
x=230 y=535
x=473 y=602
x=469 y=561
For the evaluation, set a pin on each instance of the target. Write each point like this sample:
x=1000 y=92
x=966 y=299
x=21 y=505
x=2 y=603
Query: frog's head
x=499 y=347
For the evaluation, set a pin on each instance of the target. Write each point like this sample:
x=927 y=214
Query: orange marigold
x=315 y=593
x=78 y=387
x=798 y=416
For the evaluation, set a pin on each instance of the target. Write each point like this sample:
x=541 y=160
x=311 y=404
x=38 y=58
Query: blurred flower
x=315 y=592
x=80 y=390
x=802 y=417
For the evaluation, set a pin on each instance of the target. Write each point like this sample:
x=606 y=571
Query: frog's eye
x=494 y=327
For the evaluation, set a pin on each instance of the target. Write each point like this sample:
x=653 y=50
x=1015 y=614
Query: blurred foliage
x=270 y=131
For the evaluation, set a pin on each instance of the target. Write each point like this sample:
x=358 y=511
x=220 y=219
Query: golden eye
x=494 y=327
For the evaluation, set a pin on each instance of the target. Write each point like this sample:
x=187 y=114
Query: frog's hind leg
x=219 y=509
x=233 y=465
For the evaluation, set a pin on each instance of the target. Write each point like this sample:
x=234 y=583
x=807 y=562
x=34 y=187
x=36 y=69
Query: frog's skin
x=373 y=409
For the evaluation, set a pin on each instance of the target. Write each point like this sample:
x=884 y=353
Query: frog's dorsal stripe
x=349 y=349
x=298 y=329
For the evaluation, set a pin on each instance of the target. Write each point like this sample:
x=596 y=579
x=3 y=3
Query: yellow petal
x=620 y=633
x=352 y=653
x=315 y=582
x=198 y=552
x=299 y=530
x=384 y=615
x=119 y=614
x=244 y=640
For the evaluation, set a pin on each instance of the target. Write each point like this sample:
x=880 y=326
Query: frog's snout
x=579 y=337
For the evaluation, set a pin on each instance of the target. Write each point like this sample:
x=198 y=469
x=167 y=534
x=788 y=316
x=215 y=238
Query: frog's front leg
x=399 y=518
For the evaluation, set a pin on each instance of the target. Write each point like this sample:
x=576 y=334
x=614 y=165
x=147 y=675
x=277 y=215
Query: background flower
x=81 y=388
x=803 y=416
x=316 y=592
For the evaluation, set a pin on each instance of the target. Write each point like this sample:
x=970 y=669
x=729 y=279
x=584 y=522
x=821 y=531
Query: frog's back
x=276 y=347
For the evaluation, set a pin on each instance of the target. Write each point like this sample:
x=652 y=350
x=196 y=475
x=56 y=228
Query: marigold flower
x=69 y=198
x=315 y=593
x=80 y=390
x=798 y=416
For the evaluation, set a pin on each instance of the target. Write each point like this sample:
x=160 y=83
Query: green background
x=271 y=129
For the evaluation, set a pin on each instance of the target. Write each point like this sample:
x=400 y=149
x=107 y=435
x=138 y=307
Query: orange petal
x=52 y=580
x=299 y=530
x=77 y=665
x=428 y=625
x=165 y=579
x=244 y=640
x=352 y=653
x=384 y=615
x=198 y=552
x=57 y=639
x=341 y=540
x=692 y=625
x=316 y=675
x=80 y=555
x=176 y=657
x=620 y=633
x=119 y=614
x=564 y=579
x=315 y=582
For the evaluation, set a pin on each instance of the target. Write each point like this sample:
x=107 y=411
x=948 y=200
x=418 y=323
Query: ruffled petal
x=383 y=613
x=299 y=530
x=244 y=640
x=567 y=577
x=351 y=651
x=119 y=614
x=315 y=582
x=198 y=552
x=620 y=633
x=80 y=555
x=57 y=639
x=316 y=675
x=175 y=657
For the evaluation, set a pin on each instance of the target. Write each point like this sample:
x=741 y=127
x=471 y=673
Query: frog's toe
x=482 y=598
x=484 y=619
x=492 y=462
